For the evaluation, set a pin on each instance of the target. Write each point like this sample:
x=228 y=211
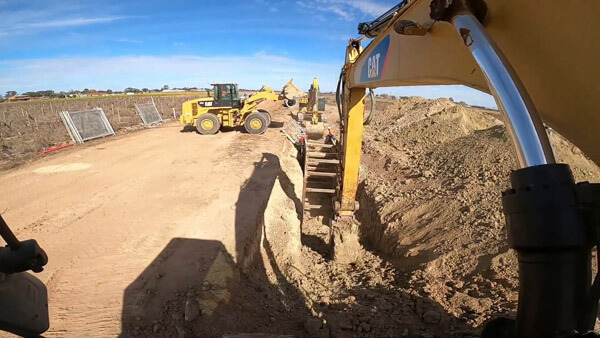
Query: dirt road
x=108 y=213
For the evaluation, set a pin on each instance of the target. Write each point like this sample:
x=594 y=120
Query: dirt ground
x=169 y=234
x=129 y=221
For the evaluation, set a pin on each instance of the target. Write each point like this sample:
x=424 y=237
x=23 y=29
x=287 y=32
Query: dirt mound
x=406 y=111
x=430 y=200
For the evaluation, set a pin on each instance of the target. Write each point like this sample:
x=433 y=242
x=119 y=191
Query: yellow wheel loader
x=227 y=109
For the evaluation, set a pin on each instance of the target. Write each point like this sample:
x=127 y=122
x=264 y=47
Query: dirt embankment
x=430 y=196
x=28 y=127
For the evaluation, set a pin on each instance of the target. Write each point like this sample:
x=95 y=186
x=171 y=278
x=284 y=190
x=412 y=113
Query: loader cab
x=226 y=95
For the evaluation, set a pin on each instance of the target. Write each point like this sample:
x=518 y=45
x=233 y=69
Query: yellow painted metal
x=313 y=99
x=266 y=93
x=552 y=46
x=351 y=148
x=207 y=124
x=353 y=51
x=309 y=105
x=190 y=110
x=256 y=123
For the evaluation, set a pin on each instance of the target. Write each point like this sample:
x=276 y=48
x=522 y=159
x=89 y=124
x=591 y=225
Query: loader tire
x=267 y=115
x=256 y=123
x=208 y=124
x=290 y=103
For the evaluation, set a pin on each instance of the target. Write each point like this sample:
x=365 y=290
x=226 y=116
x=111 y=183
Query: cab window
x=234 y=93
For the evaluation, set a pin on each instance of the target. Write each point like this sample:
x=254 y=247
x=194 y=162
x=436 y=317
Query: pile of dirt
x=430 y=196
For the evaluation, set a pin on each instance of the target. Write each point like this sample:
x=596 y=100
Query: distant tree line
x=73 y=93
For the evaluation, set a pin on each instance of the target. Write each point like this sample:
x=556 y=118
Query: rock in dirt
x=182 y=332
x=346 y=324
x=192 y=310
x=365 y=327
x=427 y=173
x=313 y=326
x=322 y=333
x=432 y=317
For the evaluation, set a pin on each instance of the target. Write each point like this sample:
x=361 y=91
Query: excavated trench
x=434 y=260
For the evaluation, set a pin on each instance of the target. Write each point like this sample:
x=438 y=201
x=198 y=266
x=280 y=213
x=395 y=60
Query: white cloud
x=118 y=73
x=69 y=22
x=38 y=15
x=369 y=7
x=129 y=41
x=346 y=9
x=325 y=6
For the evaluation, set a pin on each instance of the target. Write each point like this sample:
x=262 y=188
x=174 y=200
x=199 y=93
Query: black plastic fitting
x=550 y=230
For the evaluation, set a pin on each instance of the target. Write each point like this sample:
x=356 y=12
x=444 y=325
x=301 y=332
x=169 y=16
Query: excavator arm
x=539 y=61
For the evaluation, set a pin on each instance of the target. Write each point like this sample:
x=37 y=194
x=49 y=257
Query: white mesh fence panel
x=86 y=124
x=148 y=113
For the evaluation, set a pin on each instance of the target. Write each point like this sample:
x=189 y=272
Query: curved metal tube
x=522 y=121
x=369 y=118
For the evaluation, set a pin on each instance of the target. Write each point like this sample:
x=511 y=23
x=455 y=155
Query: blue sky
x=117 y=44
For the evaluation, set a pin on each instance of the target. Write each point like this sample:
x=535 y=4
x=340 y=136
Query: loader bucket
x=315 y=131
x=290 y=91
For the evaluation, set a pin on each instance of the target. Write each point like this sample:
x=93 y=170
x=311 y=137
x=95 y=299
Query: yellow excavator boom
x=557 y=63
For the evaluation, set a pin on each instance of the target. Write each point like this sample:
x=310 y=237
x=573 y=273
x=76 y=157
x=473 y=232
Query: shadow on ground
x=195 y=288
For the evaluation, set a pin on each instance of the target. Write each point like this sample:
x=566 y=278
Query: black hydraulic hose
x=339 y=97
x=372 y=28
x=372 y=110
x=339 y=100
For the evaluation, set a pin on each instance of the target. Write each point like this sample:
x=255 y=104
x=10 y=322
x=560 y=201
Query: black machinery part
x=552 y=224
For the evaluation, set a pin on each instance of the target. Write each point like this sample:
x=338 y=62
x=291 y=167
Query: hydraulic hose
x=369 y=118
x=339 y=97
x=339 y=100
